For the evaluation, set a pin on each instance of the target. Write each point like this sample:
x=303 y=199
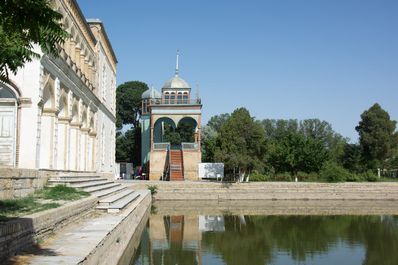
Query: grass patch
x=22 y=206
x=41 y=200
x=61 y=192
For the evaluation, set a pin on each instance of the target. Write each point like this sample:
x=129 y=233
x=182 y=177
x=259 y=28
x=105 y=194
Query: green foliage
x=283 y=176
x=217 y=121
x=309 y=177
x=128 y=146
x=153 y=189
x=128 y=103
x=22 y=24
x=332 y=172
x=377 y=136
x=241 y=143
x=61 y=192
x=370 y=176
x=352 y=158
x=256 y=176
x=209 y=143
x=294 y=152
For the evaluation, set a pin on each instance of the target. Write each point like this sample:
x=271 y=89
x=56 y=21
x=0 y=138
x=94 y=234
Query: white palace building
x=59 y=113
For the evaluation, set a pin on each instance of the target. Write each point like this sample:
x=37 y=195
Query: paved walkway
x=71 y=245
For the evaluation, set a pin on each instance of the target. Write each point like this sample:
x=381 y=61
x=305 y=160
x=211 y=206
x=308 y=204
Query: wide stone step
x=91 y=184
x=101 y=187
x=71 y=177
x=108 y=192
x=119 y=205
x=107 y=201
x=77 y=181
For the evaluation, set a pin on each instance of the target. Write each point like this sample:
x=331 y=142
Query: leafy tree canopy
x=377 y=136
x=241 y=142
x=23 y=24
x=128 y=103
x=128 y=146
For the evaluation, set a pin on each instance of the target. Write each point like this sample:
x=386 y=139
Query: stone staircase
x=176 y=166
x=113 y=197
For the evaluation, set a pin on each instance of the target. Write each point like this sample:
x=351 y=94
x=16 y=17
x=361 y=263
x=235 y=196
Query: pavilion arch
x=188 y=123
x=159 y=128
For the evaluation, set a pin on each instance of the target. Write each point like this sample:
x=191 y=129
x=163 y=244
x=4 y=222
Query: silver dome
x=176 y=82
x=151 y=93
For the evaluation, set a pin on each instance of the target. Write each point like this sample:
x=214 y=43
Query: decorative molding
x=24 y=102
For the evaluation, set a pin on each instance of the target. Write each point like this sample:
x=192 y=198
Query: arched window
x=185 y=98
x=179 y=98
x=167 y=98
x=172 y=97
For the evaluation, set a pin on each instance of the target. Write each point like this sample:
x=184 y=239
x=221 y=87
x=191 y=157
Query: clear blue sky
x=280 y=59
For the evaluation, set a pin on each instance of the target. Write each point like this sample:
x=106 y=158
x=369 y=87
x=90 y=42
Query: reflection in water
x=233 y=240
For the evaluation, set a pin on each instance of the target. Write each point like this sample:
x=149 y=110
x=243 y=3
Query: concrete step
x=101 y=187
x=108 y=192
x=119 y=205
x=107 y=201
x=52 y=181
x=70 y=177
x=90 y=184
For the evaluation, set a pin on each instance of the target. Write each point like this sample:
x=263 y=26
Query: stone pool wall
x=191 y=190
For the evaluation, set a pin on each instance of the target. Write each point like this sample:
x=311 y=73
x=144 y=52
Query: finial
x=178 y=54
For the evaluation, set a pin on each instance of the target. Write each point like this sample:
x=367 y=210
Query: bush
x=256 y=176
x=153 y=189
x=352 y=177
x=283 y=177
x=370 y=176
x=332 y=172
x=303 y=176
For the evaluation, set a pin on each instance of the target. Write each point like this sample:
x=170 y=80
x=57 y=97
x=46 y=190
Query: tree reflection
x=257 y=240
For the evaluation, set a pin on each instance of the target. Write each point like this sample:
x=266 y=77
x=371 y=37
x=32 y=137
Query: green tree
x=295 y=152
x=209 y=143
x=352 y=158
x=128 y=146
x=128 y=103
x=377 y=136
x=241 y=143
x=217 y=121
x=23 y=24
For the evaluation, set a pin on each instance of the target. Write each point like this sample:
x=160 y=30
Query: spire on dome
x=177 y=70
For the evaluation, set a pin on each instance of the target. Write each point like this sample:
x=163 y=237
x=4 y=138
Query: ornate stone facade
x=60 y=112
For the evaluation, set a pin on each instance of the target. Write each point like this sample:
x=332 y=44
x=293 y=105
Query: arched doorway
x=8 y=126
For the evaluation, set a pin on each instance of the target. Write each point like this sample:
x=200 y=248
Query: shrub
x=283 y=177
x=256 y=176
x=303 y=176
x=332 y=172
x=370 y=176
x=153 y=189
x=352 y=177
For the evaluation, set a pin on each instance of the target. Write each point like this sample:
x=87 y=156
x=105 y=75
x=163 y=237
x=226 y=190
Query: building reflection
x=176 y=239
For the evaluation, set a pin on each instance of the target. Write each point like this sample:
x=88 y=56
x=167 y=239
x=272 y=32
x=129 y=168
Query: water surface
x=268 y=239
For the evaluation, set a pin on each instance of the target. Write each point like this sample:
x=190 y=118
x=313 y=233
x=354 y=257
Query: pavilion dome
x=151 y=93
x=176 y=82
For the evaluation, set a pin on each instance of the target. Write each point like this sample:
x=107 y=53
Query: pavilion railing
x=161 y=146
x=189 y=146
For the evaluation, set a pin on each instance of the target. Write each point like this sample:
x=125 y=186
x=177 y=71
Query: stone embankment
x=22 y=233
x=270 y=190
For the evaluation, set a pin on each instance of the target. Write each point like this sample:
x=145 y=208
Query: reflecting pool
x=268 y=239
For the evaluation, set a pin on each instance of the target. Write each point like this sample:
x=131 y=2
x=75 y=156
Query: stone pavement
x=73 y=244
